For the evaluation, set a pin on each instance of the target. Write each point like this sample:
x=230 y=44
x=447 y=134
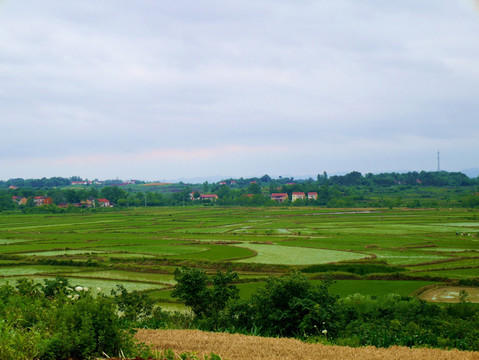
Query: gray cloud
x=336 y=83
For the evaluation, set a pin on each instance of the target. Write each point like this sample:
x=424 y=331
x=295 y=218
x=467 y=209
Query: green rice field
x=141 y=247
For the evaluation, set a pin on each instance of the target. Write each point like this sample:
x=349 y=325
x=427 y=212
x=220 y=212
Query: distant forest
x=412 y=190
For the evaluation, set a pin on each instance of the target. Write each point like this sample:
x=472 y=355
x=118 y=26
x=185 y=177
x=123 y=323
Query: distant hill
x=472 y=173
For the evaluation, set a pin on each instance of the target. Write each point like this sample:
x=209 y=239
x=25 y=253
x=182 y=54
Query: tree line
x=412 y=178
x=413 y=190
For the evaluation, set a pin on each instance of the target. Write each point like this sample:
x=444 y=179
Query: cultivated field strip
x=434 y=245
x=242 y=347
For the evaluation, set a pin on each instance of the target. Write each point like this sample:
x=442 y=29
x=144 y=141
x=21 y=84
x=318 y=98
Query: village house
x=42 y=200
x=312 y=196
x=37 y=200
x=298 y=196
x=104 y=203
x=209 y=197
x=79 y=183
x=88 y=203
x=279 y=197
x=20 y=200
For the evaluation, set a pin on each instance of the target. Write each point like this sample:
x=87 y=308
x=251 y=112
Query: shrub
x=69 y=324
x=133 y=305
x=84 y=328
x=206 y=302
x=291 y=305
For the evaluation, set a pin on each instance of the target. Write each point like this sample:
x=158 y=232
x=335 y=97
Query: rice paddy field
x=141 y=247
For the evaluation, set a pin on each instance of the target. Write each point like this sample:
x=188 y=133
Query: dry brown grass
x=242 y=347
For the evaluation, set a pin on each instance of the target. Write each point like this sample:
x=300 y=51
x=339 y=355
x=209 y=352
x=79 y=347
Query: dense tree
x=113 y=193
x=254 y=188
x=192 y=287
x=6 y=202
x=265 y=179
x=206 y=187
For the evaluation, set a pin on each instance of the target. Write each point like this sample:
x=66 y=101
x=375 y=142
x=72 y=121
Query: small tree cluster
x=207 y=296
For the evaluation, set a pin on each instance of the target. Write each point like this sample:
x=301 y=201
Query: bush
x=56 y=322
x=395 y=320
x=288 y=306
x=84 y=328
x=206 y=302
x=133 y=305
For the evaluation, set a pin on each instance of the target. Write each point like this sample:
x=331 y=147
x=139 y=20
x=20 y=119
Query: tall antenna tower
x=438 y=162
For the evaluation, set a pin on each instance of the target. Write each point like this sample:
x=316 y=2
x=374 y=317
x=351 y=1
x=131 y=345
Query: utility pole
x=438 y=162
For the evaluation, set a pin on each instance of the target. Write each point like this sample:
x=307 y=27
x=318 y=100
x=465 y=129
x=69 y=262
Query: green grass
x=407 y=257
x=253 y=239
x=63 y=252
x=162 y=295
x=447 y=265
x=26 y=270
x=219 y=253
x=95 y=285
x=451 y=273
x=376 y=287
x=288 y=255
x=247 y=290
x=129 y=276
x=158 y=250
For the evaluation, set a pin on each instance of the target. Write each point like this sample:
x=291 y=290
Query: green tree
x=265 y=178
x=206 y=302
x=206 y=187
x=113 y=193
x=6 y=202
x=292 y=305
x=254 y=188
x=133 y=305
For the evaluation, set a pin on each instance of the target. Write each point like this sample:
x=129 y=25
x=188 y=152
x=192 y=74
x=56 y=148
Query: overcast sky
x=155 y=90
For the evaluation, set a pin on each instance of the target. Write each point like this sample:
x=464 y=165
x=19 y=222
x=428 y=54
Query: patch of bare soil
x=242 y=347
x=450 y=294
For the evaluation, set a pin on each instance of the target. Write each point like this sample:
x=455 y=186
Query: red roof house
x=104 y=202
x=209 y=197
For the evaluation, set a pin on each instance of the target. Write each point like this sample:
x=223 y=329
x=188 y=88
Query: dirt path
x=241 y=347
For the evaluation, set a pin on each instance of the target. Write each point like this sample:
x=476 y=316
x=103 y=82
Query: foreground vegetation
x=56 y=321
x=293 y=307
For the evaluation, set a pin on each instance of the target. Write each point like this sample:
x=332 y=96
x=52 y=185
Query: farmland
x=232 y=347
x=141 y=247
